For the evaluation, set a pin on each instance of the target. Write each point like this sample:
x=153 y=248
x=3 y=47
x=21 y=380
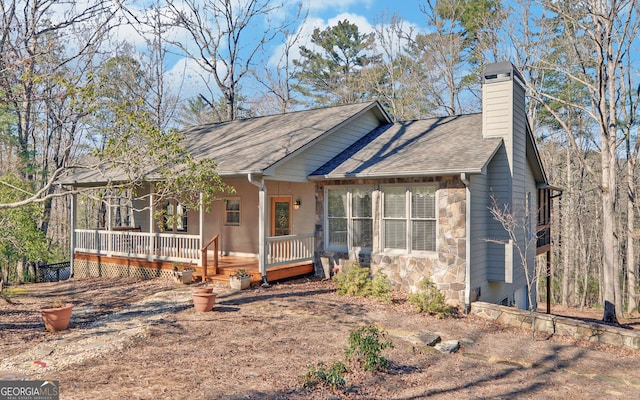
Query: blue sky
x=369 y=9
x=185 y=75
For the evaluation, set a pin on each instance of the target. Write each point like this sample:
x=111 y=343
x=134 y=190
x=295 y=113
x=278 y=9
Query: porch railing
x=215 y=240
x=153 y=246
x=289 y=249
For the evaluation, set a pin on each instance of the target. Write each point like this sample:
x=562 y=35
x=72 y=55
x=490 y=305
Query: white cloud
x=341 y=5
x=188 y=79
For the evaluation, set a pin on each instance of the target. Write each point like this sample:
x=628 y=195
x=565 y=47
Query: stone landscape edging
x=557 y=325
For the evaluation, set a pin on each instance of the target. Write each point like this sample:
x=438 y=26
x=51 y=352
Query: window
x=337 y=217
x=409 y=218
x=349 y=218
x=176 y=217
x=232 y=212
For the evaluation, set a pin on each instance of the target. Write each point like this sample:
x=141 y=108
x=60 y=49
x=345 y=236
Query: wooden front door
x=280 y=216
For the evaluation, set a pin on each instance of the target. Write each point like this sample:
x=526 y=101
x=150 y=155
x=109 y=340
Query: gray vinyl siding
x=500 y=187
x=478 y=233
x=298 y=168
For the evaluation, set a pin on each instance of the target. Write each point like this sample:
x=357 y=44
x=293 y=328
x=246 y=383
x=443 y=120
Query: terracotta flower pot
x=57 y=319
x=203 y=302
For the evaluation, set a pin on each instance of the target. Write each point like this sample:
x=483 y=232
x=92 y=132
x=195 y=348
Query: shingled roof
x=253 y=145
x=435 y=146
x=248 y=145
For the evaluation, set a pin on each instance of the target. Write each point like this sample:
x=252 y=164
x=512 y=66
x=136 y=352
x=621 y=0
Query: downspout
x=262 y=218
x=467 y=229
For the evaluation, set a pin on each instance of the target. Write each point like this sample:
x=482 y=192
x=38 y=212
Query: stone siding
x=446 y=267
x=553 y=324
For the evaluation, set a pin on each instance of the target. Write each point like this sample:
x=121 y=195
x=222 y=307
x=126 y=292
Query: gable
x=253 y=145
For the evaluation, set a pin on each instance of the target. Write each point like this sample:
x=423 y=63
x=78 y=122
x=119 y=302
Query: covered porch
x=287 y=256
x=232 y=232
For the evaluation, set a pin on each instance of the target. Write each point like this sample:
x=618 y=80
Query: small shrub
x=365 y=348
x=430 y=300
x=381 y=288
x=332 y=376
x=355 y=280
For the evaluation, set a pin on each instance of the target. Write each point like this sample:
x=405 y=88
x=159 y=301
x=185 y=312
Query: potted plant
x=240 y=280
x=182 y=273
x=56 y=315
x=203 y=299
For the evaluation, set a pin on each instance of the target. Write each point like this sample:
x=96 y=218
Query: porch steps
x=273 y=274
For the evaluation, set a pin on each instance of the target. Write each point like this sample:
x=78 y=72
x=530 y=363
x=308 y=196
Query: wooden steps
x=228 y=267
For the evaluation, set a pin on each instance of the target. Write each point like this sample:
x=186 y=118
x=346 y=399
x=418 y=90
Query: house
x=319 y=188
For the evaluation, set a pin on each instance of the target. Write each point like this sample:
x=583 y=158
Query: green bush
x=430 y=300
x=355 y=280
x=381 y=288
x=332 y=376
x=365 y=348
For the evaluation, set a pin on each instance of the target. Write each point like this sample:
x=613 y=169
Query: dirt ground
x=143 y=340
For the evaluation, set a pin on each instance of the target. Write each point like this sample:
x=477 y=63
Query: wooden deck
x=227 y=265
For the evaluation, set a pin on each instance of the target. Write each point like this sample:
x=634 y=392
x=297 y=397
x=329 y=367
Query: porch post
x=201 y=233
x=262 y=222
x=72 y=225
x=108 y=227
x=151 y=224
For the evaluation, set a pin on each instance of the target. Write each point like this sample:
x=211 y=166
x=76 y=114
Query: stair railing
x=204 y=259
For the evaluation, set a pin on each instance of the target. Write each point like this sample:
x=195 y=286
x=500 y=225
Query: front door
x=280 y=216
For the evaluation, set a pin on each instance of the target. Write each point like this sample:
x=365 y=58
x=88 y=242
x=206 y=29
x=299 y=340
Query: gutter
x=397 y=174
x=467 y=275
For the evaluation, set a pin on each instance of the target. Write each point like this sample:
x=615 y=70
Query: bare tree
x=518 y=222
x=396 y=79
x=220 y=43
x=43 y=65
x=587 y=45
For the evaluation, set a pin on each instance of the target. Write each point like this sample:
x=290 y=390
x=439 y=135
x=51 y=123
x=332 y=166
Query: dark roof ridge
x=220 y=123
x=440 y=117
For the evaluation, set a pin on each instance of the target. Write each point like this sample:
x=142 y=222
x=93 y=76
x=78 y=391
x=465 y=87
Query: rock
x=448 y=347
x=429 y=339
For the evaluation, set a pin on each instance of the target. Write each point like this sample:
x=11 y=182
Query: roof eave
x=414 y=174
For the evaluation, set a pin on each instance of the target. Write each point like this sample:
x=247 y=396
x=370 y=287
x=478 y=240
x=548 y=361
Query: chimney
x=504 y=116
x=503 y=110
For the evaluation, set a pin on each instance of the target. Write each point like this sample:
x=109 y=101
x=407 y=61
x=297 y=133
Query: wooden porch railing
x=289 y=249
x=215 y=240
x=153 y=246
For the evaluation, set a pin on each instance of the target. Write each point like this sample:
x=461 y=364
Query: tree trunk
x=632 y=278
x=608 y=238
x=567 y=228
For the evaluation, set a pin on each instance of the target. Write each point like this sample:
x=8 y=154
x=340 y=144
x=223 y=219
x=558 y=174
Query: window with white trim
x=409 y=218
x=232 y=211
x=349 y=217
x=176 y=217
